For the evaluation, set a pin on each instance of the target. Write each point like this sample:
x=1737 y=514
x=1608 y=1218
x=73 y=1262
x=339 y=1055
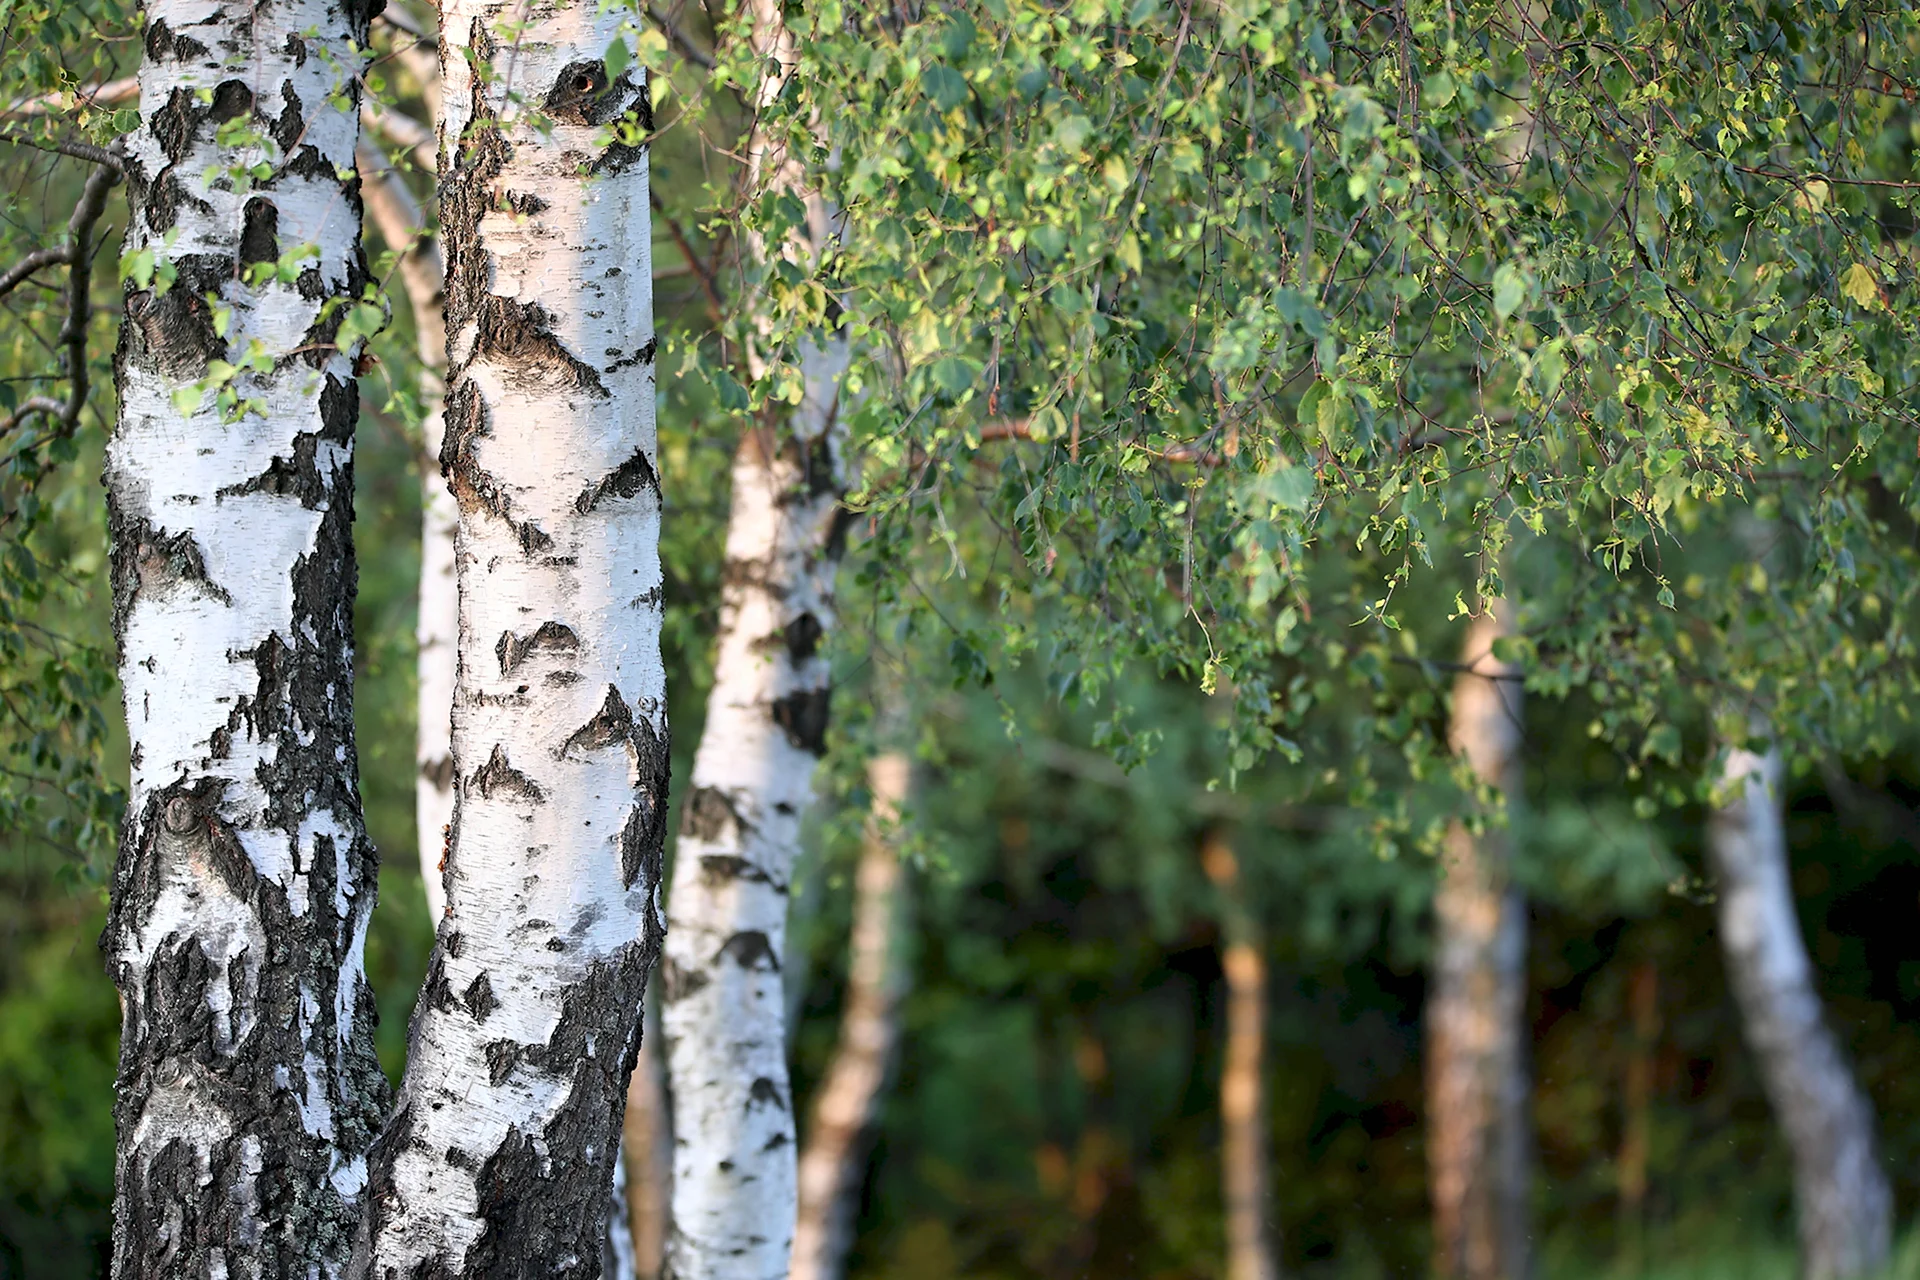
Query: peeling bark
x=1477 y=1091
x=1840 y=1189
x=402 y=224
x=833 y=1163
x=248 y=1092
x=1251 y=1253
x=734 y=1176
x=499 y=1159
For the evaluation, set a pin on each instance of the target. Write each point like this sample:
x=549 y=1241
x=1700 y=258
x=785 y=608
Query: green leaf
x=947 y=87
x=1857 y=283
x=1509 y=290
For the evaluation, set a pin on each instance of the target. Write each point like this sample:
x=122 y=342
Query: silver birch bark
x=734 y=1173
x=1243 y=1094
x=834 y=1159
x=1477 y=1093
x=499 y=1159
x=248 y=1092
x=402 y=225
x=1844 y=1204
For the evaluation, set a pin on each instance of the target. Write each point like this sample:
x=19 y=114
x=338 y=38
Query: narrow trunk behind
x=248 y=1091
x=734 y=1171
x=402 y=225
x=834 y=1160
x=1845 y=1207
x=499 y=1159
x=1477 y=1092
x=1251 y=1254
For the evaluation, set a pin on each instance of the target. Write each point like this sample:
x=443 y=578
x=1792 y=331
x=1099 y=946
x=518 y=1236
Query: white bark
x=1477 y=1091
x=403 y=226
x=1845 y=1207
x=833 y=1162
x=248 y=1092
x=500 y=1157
x=734 y=1176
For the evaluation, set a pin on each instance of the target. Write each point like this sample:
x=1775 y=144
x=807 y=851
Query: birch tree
x=834 y=1158
x=1477 y=1135
x=248 y=1092
x=1243 y=1101
x=499 y=1158
x=734 y=1173
x=402 y=225
x=1840 y=1189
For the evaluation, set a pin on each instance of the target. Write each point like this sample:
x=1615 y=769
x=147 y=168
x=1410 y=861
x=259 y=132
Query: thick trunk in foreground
x=248 y=1091
x=734 y=1174
x=834 y=1160
x=1845 y=1208
x=403 y=226
x=1477 y=1094
x=1243 y=1102
x=499 y=1159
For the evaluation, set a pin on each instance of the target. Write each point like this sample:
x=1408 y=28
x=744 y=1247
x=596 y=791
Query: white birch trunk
x=402 y=225
x=1251 y=1253
x=833 y=1162
x=500 y=1157
x=248 y=1092
x=1845 y=1207
x=1477 y=1092
x=734 y=1174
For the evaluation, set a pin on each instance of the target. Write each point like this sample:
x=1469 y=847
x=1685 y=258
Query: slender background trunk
x=1477 y=1093
x=833 y=1162
x=248 y=1092
x=1243 y=1086
x=734 y=1174
x=1845 y=1207
x=648 y=1149
x=402 y=225
x=499 y=1159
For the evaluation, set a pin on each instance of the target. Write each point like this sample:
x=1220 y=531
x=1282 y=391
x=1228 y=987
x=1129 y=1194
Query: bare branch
x=110 y=93
x=78 y=150
x=33 y=262
x=688 y=49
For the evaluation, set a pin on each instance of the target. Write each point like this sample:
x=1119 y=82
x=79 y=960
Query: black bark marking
x=436 y=992
x=172 y=333
x=521 y=334
x=644 y=355
x=523 y=203
x=819 y=465
x=162 y=44
x=260 y=232
x=676 y=983
x=611 y=725
x=727 y=866
x=802 y=715
x=498 y=775
x=710 y=816
x=231 y=100
x=473 y=486
x=296 y=48
x=478 y=998
x=624 y=481
x=644 y=836
x=307 y=162
x=555 y=637
x=764 y=1092
x=148 y=560
x=292 y=119
x=802 y=637
x=750 y=949
x=174 y=125
x=838 y=527
x=582 y=95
